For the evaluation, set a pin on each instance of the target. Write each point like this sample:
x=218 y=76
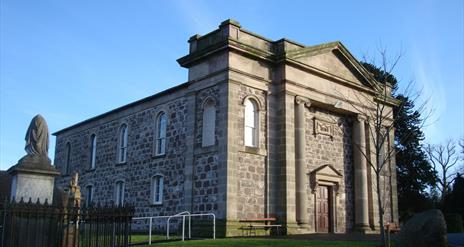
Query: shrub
x=454 y=223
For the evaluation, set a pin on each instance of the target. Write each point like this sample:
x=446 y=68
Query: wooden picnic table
x=252 y=224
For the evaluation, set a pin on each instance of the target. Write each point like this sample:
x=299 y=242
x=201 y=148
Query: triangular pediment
x=334 y=59
x=327 y=170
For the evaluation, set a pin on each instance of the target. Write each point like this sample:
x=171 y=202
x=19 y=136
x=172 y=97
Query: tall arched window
x=88 y=195
x=67 y=163
x=157 y=185
x=119 y=193
x=93 y=151
x=122 y=148
x=209 y=123
x=251 y=123
x=160 y=144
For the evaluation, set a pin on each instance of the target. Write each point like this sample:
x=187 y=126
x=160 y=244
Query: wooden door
x=322 y=207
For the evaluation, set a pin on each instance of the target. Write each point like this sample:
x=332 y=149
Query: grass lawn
x=261 y=242
x=139 y=238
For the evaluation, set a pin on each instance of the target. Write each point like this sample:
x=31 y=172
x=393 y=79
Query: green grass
x=136 y=238
x=258 y=242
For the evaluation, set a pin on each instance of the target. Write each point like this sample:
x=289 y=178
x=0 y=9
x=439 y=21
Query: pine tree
x=414 y=173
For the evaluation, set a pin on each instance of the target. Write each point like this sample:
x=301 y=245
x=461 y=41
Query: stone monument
x=74 y=191
x=34 y=175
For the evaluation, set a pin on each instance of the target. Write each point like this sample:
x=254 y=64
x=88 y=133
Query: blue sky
x=71 y=60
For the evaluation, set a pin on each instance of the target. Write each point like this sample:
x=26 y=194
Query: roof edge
x=121 y=108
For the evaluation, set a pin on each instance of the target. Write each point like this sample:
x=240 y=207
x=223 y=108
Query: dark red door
x=322 y=207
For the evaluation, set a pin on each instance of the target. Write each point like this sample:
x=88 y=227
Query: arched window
x=93 y=150
x=122 y=148
x=160 y=142
x=88 y=195
x=209 y=123
x=251 y=123
x=67 y=163
x=157 y=185
x=119 y=193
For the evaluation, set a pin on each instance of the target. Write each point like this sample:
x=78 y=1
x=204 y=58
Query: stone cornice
x=329 y=76
x=389 y=100
x=231 y=44
x=260 y=78
x=326 y=94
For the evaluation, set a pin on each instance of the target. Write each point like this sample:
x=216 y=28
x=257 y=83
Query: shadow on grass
x=267 y=242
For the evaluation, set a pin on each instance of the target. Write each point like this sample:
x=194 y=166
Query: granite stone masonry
x=261 y=129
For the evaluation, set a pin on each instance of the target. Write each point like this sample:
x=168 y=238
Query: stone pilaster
x=189 y=159
x=288 y=158
x=300 y=169
x=360 y=175
x=394 y=187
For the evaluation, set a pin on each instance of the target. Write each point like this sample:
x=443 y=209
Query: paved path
x=341 y=237
x=330 y=236
x=456 y=239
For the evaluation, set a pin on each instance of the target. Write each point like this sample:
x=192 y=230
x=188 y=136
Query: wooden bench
x=252 y=224
x=391 y=227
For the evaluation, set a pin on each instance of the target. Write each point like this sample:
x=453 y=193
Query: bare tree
x=461 y=145
x=379 y=108
x=443 y=158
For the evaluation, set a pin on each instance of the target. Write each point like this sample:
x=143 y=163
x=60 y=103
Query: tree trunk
x=379 y=201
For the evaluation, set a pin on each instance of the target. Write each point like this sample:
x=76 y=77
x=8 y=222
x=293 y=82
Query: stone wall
x=250 y=166
x=205 y=188
x=141 y=163
x=206 y=194
x=335 y=150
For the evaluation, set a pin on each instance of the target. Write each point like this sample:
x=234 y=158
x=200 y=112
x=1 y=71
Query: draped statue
x=37 y=137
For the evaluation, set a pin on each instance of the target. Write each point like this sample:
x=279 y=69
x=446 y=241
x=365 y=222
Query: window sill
x=209 y=146
x=90 y=170
x=207 y=149
x=253 y=150
x=156 y=204
x=159 y=156
x=121 y=163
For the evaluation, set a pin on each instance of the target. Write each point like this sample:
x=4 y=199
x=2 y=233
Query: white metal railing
x=183 y=215
x=150 y=218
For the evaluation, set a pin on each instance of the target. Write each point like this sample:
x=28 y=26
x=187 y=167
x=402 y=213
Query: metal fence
x=37 y=225
x=183 y=216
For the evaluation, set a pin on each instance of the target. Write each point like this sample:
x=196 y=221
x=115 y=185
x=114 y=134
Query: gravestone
x=33 y=176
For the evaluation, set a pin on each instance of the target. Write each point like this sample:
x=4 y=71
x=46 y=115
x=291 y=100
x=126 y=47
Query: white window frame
x=160 y=133
x=119 y=189
x=157 y=187
x=251 y=127
x=209 y=123
x=93 y=151
x=122 y=144
x=89 y=196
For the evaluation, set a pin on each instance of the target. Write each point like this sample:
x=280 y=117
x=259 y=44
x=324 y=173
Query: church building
x=261 y=128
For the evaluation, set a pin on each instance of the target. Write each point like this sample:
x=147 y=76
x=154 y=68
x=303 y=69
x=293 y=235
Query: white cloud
x=429 y=80
x=196 y=14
